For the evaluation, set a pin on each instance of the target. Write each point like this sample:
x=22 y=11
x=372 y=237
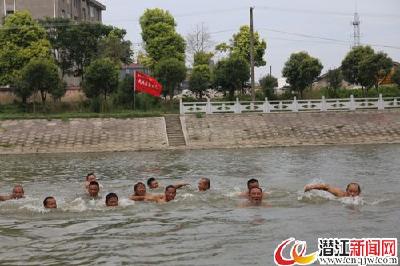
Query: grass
x=16 y=112
x=69 y=115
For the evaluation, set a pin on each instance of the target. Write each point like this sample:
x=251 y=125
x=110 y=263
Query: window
x=9 y=12
x=91 y=11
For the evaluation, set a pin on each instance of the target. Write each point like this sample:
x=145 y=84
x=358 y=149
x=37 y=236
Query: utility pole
x=253 y=92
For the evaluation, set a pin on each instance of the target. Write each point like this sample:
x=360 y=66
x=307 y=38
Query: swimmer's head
x=152 y=183
x=111 y=200
x=252 y=183
x=50 y=203
x=204 y=184
x=353 y=189
x=93 y=189
x=18 y=192
x=140 y=189
x=91 y=177
x=170 y=193
x=255 y=195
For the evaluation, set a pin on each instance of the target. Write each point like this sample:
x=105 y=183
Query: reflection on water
x=198 y=228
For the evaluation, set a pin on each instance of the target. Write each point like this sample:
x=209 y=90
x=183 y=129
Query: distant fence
x=315 y=105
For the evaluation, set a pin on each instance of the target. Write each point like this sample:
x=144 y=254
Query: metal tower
x=356 y=26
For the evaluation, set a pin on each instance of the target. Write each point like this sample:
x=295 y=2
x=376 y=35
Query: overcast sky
x=320 y=27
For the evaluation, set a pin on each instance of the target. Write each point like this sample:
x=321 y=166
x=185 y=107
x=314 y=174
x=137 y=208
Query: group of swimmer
x=254 y=193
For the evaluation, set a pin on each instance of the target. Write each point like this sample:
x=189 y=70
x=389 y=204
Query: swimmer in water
x=17 y=193
x=111 y=200
x=251 y=183
x=169 y=195
x=352 y=189
x=152 y=183
x=93 y=190
x=204 y=184
x=140 y=193
x=255 y=198
x=90 y=178
x=50 y=203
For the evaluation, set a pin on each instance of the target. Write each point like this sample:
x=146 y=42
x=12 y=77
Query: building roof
x=98 y=4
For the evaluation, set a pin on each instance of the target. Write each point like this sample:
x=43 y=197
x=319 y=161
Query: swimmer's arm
x=133 y=197
x=243 y=194
x=180 y=185
x=154 y=197
x=4 y=198
x=333 y=190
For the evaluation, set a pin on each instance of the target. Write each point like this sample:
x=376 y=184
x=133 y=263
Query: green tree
x=200 y=80
x=231 y=73
x=21 y=39
x=76 y=45
x=125 y=95
x=396 y=76
x=374 y=68
x=335 y=79
x=202 y=58
x=60 y=38
x=116 y=48
x=160 y=37
x=41 y=76
x=84 y=46
x=301 y=70
x=101 y=79
x=170 y=72
x=351 y=63
x=240 y=45
x=268 y=83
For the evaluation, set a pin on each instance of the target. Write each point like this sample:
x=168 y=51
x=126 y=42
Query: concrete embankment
x=200 y=132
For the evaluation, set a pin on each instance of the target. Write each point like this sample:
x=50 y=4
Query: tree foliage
x=40 y=75
x=365 y=67
x=231 y=73
x=75 y=46
x=160 y=38
x=301 y=70
x=396 y=76
x=268 y=83
x=116 y=48
x=21 y=39
x=200 y=79
x=170 y=72
x=101 y=78
x=203 y=58
x=240 y=46
x=374 y=68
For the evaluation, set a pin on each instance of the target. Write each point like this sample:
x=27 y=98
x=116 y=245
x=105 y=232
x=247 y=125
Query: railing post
x=394 y=102
x=323 y=104
x=381 y=104
x=266 y=106
x=352 y=103
x=295 y=105
x=208 y=107
x=237 y=106
x=181 y=106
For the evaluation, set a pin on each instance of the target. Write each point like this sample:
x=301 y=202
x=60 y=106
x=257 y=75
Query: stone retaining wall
x=82 y=135
x=287 y=129
x=211 y=131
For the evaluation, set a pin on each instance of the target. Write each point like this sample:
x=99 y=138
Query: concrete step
x=174 y=131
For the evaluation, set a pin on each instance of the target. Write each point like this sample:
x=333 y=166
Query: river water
x=197 y=228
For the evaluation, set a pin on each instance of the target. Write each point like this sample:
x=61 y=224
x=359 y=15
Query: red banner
x=147 y=84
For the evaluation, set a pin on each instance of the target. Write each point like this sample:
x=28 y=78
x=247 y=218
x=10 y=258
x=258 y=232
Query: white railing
x=322 y=105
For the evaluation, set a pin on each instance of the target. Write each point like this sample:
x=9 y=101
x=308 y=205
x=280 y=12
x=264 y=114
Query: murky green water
x=196 y=229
